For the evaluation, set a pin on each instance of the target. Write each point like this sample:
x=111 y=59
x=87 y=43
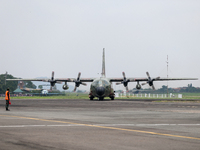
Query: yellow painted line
x=103 y=127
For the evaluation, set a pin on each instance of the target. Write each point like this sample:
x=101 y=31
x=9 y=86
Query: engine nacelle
x=65 y=87
x=138 y=86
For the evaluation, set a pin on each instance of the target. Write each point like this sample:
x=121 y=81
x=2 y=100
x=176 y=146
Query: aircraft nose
x=100 y=90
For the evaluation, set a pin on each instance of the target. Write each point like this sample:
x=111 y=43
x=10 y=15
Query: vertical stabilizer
x=103 y=74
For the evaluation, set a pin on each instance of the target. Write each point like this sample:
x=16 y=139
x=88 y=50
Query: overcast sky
x=68 y=36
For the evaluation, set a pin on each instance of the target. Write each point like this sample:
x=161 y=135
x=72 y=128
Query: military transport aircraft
x=102 y=87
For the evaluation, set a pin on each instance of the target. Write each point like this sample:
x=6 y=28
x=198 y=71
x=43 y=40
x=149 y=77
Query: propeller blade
x=157 y=78
x=59 y=82
x=52 y=75
x=84 y=84
x=127 y=88
x=144 y=83
x=153 y=87
x=118 y=83
x=123 y=73
x=51 y=88
x=75 y=88
x=79 y=74
x=148 y=74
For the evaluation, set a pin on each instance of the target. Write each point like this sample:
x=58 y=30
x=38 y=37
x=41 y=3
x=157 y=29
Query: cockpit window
x=95 y=83
x=105 y=83
x=100 y=83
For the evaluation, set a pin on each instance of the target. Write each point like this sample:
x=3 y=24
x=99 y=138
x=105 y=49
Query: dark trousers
x=7 y=104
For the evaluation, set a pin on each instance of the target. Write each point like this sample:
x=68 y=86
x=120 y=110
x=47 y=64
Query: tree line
x=12 y=85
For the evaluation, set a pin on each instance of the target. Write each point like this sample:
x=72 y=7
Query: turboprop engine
x=138 y=86
x=65 y=87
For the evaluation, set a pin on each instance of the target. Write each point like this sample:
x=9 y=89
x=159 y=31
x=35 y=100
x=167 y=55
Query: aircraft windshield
x=100 y=83
x=105 y=83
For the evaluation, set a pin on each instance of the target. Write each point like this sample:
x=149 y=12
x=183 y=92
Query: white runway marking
x=20 y=126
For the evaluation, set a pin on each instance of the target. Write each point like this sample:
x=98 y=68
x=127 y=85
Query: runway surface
x=96 y=125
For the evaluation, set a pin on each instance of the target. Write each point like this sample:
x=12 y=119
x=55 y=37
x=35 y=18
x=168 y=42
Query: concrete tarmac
x=96 y=125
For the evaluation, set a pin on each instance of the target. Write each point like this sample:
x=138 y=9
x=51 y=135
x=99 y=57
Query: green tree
x=40 y=87
x=163 y=89
x=12 y=85
x=30 y=84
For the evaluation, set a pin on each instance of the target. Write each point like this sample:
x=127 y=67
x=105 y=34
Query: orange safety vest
x=6 y=96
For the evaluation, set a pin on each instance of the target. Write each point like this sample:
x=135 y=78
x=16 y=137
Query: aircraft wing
x=92 y=79
x=56 y=80
x=74 y=79
x=27 y=79
x=127 y=79
x=171 y=79
x=146 y=79
x=53 y=80
x=45 y=80
x=87 y=79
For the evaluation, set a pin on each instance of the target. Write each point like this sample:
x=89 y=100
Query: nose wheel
x=101 y=98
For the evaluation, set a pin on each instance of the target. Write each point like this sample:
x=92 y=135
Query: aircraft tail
x=103 y=74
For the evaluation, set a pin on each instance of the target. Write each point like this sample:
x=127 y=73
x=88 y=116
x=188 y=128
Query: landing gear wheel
x=101 y=98
x=112 y=98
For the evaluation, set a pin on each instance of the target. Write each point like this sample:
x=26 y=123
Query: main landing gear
x=112 y=97
x=91 y=97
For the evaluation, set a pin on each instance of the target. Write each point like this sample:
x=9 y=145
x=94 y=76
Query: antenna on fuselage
x=103 y=74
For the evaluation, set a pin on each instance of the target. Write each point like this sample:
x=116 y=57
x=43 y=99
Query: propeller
x=150 y=81
x=78 y=82
x=124 y=82
x=52 y=81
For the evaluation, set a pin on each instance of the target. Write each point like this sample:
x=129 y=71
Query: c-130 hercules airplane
x=102 y=87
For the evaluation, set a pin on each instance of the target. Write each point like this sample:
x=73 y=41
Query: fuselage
x=101 y=87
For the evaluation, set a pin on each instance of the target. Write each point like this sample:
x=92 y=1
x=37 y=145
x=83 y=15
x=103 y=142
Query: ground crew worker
x=7 y=98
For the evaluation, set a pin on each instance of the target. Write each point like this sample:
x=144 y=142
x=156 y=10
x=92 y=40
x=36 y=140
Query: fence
x=145 y=95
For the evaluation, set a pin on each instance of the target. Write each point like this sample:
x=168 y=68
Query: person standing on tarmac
x=7 y=98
